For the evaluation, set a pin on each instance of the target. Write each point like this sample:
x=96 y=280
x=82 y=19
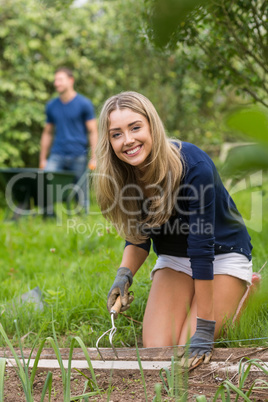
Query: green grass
x=74 y=263
x=27 y=380
x=74 y=268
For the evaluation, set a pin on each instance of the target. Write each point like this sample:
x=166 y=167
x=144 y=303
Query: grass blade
x=140 y=365
x=33 y=348
x=172 y=376
x=237 y=390
x=68 y=376
x=243 y=371
x=257 y=363
x=20 y=345
x=110 y=388
x=47 y=386
x=35 y=365
x=83 y=347
x=2 y=376
x=89 y=383
x=83 y=396
x=141 y=370
x=21 y=372
x=221 y=392
x=157 y=389
x=163 y=380
x=58 y=355
x=56 y=345
x=28 y=387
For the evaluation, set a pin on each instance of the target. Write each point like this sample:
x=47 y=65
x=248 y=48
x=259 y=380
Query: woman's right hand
x=122 y=282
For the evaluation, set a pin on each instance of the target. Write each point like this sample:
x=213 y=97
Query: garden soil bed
x=127 y=385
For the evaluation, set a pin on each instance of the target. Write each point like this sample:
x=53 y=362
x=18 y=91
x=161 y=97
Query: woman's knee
x=168 y=304
x=228 y=293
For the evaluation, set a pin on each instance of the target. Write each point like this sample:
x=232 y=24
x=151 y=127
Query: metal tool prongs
x=114 y=311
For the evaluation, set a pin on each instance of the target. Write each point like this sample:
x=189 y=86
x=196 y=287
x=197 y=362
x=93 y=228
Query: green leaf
x=252 y=121
x=2 y=375
x=82 y=345
x=21 y=372
x=221 y=392
x=36 y=360
x=168 y=15
x=237 y=390
x=47 y=386
x=244 y=158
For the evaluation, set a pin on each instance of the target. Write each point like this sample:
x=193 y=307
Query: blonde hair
x=164 y=169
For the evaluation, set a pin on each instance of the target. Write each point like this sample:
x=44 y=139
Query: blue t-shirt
x=71 y=136
x=206 y=221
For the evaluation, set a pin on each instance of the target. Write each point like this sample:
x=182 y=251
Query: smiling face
x=130 y=136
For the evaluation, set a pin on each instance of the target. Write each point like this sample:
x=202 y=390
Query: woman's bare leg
x=228 y=292
x=169 y=301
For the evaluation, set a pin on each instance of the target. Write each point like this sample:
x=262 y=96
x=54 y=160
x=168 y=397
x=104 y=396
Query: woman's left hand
x=201 y=344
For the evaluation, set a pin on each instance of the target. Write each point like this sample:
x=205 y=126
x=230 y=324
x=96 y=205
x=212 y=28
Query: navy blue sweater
x=205 y=222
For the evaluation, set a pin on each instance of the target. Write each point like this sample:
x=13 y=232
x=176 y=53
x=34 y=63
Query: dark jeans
x=78 y=165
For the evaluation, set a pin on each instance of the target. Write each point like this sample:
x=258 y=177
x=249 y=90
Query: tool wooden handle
x=117 y=306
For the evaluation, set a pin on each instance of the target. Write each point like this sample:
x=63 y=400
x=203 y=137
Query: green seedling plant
x=22 y=369
x=140 y=365
x=89 y=382
x=157 y=389
x=27 y=380
x=175 y=383
x=111 y=387
x=175 y=380
x=2 y=375
x=244 y=370
x=169 y=380
x=92 y=386
x=225 y=389
x=66 y=375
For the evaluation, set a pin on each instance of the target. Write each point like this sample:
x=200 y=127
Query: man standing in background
x=70 y=128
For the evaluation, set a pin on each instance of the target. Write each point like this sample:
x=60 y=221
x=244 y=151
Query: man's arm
x=92 y=129
x=45 y=144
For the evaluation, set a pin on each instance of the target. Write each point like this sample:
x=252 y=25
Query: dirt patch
x=127 y=385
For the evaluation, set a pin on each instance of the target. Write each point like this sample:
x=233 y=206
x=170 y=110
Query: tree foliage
x=253 y=122
x=106 y=46
x=229 y=37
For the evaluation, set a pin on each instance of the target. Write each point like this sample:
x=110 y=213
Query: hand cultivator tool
x=114 y=311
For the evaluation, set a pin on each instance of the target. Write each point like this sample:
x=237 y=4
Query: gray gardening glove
x=201 y=343
x=122 y=282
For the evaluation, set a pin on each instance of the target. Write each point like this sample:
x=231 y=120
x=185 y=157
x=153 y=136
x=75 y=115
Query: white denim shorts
x=232 y=264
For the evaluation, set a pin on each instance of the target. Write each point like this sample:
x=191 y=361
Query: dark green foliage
x=106 y=45
x=253 y=122
x=228 y=39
